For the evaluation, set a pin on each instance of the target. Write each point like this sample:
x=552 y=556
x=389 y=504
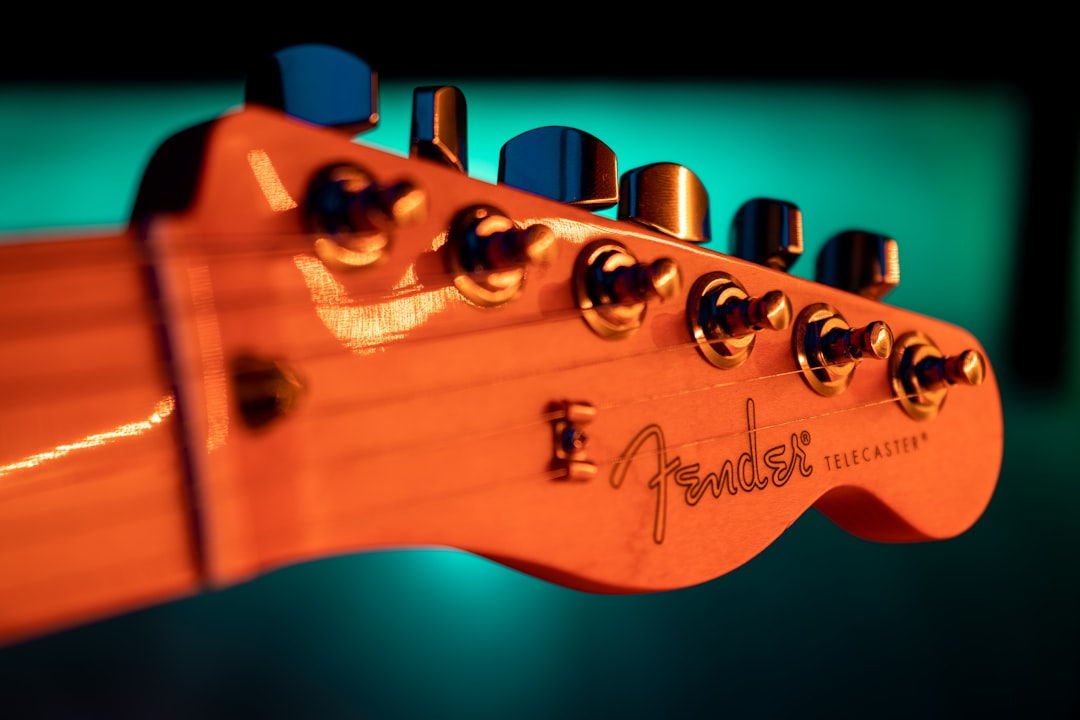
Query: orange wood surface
x=426 y=418
x=93 y=518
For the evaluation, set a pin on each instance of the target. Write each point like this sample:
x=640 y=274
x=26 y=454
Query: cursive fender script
x=742 y=474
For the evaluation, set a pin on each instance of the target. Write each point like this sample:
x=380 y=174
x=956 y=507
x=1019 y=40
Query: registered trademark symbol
x=804 y=437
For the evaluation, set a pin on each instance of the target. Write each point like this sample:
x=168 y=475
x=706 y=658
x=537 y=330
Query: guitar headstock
x=377 y=350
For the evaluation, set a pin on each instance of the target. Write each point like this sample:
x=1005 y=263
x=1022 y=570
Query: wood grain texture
x=93 y=516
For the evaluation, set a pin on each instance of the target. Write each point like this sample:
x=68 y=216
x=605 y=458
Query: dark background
x=817 y=626
x=1031 y=54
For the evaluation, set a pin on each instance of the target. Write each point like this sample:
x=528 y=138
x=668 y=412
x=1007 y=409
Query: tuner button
x=967 y=368
x=490 y=255
x=921 y=374
x=724 y=320
x=613 y=288
x=355 y=217
x=840 y=346
x=828 y=350
x=668 y=198
x=320 y=84
x=561 y=163
x=439 y=126
x=768 y=232
x=860 y=262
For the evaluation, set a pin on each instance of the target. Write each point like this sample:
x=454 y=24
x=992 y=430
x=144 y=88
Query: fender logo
x=742 y=474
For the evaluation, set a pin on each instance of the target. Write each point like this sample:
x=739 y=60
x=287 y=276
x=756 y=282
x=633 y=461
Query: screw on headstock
x=265 y=389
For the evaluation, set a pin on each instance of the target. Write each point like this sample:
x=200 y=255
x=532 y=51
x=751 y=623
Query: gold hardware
x=768 y=232
x=438 y=126
x=570 y=440
x=490 y=255
x=612 y=288
x=861 y=262
x=828 y=350
x=265 y=389
x=921 y=374
x=354 y=217
x=668 y=198
x=724 y=320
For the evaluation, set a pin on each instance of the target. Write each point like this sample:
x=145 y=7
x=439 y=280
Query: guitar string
x=575 y=316
x=113 y=318
x=374 y=403
x=546 y=419
x=569 y=314
x=339 y=515
x=137 y=513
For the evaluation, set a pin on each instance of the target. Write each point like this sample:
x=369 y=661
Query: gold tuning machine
x=490 y=255
x=438 y=131
x=612 y=288
x=861 y=262
x=319 y=84
x=667 y=198
x=921 y=374
x=354 y=217
x=828 y=349
x=561 y=163
x=768 y=232
x=724 y=320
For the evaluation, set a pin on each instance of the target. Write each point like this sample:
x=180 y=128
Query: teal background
x=819 y=625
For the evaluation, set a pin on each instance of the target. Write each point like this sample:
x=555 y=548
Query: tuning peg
x=860 y=262
x=668 y=198
x=612 y=287
x=921 y=374
x=561 y=163
x=828 y=349
x=320 y=84
x=489 y=254
x=768 y=232
x=724 y=320
x=354 y=216
x=439 y=126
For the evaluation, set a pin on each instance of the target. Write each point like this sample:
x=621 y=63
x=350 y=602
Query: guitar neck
x=94 y=510
x=249 y=380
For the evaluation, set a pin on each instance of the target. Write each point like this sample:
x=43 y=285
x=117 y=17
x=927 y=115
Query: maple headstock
x=377 y=350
